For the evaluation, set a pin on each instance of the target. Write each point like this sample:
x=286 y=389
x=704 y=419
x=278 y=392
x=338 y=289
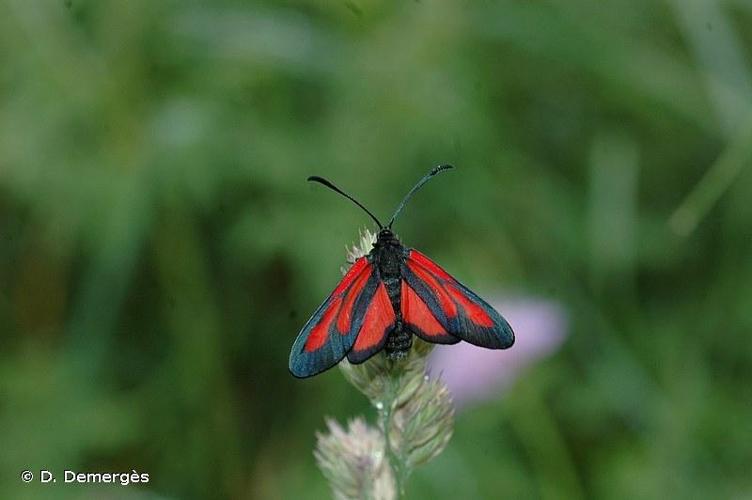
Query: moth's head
x=386 y=236
x=385 y=233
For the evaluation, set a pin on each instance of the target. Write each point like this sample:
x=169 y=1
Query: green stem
x=395 y=460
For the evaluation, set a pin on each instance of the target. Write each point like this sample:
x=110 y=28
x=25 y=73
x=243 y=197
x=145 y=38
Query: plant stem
x=395 y=460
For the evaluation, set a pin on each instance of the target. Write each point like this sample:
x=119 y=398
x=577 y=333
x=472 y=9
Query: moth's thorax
x=387 y=254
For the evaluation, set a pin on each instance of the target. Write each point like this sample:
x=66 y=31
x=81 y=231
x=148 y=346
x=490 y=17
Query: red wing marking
x=416 y=312
x=379 y=316
x=351 y=274
x=430 y=265
x=320 y=332
x=446 y=302
x=472 y=310
x=344 y=319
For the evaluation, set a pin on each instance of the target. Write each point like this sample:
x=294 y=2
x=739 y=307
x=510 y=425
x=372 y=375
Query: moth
x=388 y=296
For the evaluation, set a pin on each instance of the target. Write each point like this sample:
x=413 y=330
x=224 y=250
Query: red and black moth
x=388 y=296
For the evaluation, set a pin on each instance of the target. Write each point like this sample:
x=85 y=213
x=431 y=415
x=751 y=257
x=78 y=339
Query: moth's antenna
x=321 y=180
x=419 y=185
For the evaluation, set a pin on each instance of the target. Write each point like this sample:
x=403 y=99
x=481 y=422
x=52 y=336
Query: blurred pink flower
x=474 y=374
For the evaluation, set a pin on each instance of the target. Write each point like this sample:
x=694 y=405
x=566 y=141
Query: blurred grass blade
x=714 y=183
x=618 y=59
x=718 y=50
x=614 y=174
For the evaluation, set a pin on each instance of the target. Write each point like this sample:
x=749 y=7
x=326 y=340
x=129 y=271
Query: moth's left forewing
x=331 y=331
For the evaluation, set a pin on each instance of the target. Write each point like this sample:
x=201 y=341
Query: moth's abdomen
x=399 y=342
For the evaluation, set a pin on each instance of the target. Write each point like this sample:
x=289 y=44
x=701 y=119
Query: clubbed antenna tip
x=438 y=169
x=420 y=183
x=321 y=180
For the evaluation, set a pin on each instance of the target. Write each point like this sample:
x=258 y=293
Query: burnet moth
x=388 y=296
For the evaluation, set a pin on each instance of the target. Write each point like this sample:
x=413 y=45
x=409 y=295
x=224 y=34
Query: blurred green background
x=160 y=248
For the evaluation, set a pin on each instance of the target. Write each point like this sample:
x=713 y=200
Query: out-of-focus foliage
x=159 y=248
